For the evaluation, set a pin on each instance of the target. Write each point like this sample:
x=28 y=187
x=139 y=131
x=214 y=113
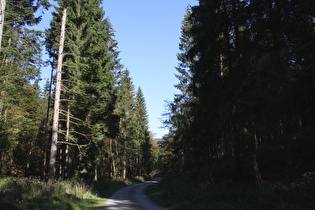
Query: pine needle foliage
x=246 y=80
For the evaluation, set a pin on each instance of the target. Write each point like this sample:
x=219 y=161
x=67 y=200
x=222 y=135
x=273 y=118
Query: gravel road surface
x=132 y=197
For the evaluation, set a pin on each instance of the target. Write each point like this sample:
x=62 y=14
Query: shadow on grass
x=185 y=193
x=105 y=189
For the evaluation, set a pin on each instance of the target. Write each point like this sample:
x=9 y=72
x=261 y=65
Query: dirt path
x=132 y=197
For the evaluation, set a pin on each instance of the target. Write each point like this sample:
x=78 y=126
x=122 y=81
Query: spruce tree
x=90 y=59
x=125 y=111
x=143 y=137
x=20 y=70
x=249 y=94
x=55 y=123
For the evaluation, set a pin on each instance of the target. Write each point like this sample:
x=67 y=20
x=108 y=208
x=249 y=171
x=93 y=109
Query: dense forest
x=241 y=128
x=102 y=128
x=246 y=103
x=244 y=111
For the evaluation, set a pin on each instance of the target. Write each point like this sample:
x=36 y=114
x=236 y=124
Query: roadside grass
x=26 y=193
x=183 y=192
x=106 y=188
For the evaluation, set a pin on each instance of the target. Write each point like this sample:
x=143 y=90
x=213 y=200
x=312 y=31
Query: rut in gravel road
x=132 y=197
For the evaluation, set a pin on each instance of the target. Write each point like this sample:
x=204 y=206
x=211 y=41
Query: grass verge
x=25 y=193
x=183 y=192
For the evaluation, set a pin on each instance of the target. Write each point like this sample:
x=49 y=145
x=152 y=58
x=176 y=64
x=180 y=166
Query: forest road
x=132 y=197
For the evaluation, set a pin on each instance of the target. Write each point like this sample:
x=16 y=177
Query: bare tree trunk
x=68 y=163
x=3 y=93
x=256 y=170
x=67 y=152
x=112 y=173
x=49 y=92
x=44 y=166
x=124 y=162
x=54 y=138
x=95 y=173
x=255 y=166
x=2 y=9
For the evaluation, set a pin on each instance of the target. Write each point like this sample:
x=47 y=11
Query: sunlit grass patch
x=24 y=193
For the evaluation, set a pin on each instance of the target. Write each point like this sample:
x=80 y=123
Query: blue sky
x=148 y=35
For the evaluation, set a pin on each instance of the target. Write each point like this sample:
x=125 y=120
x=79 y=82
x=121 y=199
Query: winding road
x=132 y=197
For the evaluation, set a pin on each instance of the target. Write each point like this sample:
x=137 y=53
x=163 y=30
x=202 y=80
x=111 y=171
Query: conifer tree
x=20 y=69
x=87 y=91
x=244 y=93
x=125 y=110
x=180 y=114
x=55 y=123
x=144 y=153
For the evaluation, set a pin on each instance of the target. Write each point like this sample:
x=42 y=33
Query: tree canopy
x=102 y=123
x=246 y=81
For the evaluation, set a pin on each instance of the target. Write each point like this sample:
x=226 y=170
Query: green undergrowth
x=183 y=192
x=25 y=193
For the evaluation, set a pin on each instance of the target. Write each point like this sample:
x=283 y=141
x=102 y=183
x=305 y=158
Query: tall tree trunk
x=237 y=153
x=68 y=160
x=256 y=170
x=2 y=9
x=124 y=162
x=3 y=110
x=112 y=173
x=95 y=173
x=255 y=165
x=54 y=138
x=115 y=168
x=44 y=166
x=49 y=91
